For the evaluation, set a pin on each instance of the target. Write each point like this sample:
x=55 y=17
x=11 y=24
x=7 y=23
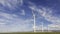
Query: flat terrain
x=33 y=33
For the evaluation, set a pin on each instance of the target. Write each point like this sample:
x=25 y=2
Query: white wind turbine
x=42 y=27
x=34 y=24
x=34 y=27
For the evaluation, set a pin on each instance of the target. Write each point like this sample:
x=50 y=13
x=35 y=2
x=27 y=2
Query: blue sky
x=16 y=15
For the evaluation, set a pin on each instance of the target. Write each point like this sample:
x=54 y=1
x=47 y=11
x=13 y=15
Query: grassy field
x=33 y=33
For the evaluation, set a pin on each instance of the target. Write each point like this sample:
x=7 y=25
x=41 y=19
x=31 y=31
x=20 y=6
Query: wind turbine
x=42 y=27
x=34 y=20
x=47 y=28
x=42 y=24
x=34 y=25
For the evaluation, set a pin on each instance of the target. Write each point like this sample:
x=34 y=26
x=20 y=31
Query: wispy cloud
x=22 y=12
x=11 y=23
x=14 y=23
x=54 y=27
x=2 y=23
x=47 y=14
x=11 y=4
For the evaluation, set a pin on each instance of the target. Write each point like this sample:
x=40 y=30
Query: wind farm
x=29 y=16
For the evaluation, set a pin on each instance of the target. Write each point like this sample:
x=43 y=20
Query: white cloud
x=2 y=1
x=49 y=28
x=11 y=23
x=49 y=17
x=21 y=2
x=8 y=16
x=2 y=23
x=22 y=12
x=11 y=4
x=47 y=14
x=54 y=27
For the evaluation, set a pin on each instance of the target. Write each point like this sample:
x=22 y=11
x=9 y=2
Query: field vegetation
x=33 y=33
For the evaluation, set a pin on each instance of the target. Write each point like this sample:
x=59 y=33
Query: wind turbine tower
x=34 y=20
x=42 y=27
x=34 y=25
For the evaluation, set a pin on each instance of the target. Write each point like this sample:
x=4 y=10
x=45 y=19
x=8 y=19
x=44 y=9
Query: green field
x=33 y=33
